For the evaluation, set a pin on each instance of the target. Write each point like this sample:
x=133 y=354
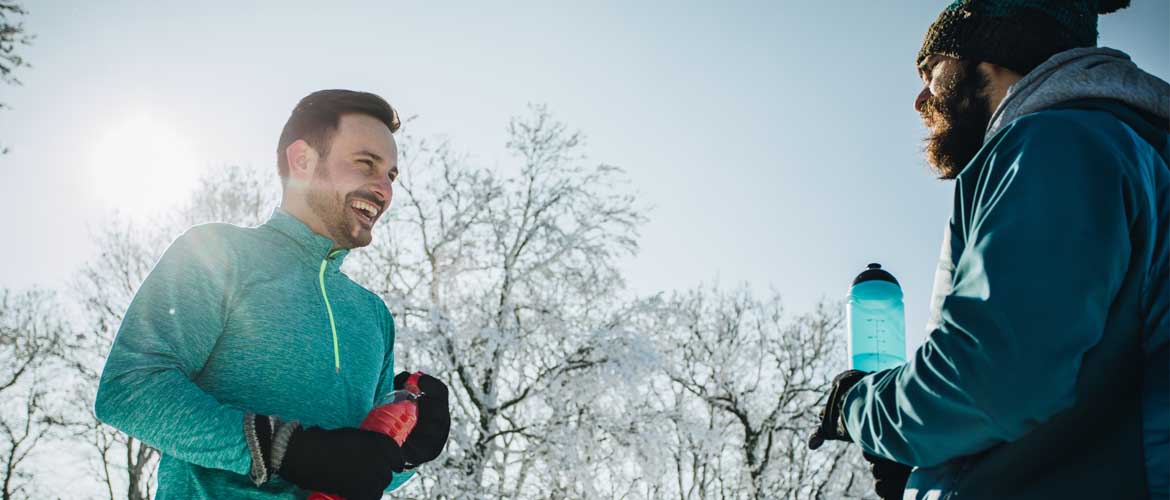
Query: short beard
x=330 y=208
x=957 y=120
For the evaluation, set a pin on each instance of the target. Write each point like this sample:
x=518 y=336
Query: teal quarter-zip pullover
x=234 y=320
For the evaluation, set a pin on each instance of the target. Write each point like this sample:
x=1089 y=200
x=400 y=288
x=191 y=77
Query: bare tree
x=507 y=287
x=105 y=286
x=30 y=339
x=744 y=387
x=233 y=194
x=12 y=36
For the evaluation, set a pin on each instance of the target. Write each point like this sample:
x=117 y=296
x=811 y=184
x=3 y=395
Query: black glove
x=889 y=477
x=429 y=436
x=353 y=463
x=832 y=425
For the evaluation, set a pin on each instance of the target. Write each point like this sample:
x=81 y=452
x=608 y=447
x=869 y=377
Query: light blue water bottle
x=876 y=321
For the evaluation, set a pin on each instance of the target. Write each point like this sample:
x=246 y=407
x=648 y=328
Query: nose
x=383 y=191
x=921 y=99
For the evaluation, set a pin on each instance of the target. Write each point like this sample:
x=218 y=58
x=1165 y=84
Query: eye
x=928 y=69
x=393 y=174
x=367 y=165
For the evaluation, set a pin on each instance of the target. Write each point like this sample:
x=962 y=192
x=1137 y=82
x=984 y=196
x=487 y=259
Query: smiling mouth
x=365 y=211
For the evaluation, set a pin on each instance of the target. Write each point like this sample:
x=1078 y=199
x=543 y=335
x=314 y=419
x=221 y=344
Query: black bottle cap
x=874 y=272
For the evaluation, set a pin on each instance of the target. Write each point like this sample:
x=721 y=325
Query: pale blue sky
x=776 y=140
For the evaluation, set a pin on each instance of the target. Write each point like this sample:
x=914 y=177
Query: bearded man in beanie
x=249 y=359
x=1044 y=374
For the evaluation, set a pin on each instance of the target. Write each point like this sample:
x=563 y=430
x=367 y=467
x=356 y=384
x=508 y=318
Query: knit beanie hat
x=1015 y=34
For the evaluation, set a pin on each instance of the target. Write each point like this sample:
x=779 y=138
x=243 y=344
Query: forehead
x=357 y=132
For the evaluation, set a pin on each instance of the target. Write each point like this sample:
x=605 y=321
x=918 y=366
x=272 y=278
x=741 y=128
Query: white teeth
x=366 y=207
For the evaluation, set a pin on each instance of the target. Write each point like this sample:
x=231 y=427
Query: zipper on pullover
x=329 y=309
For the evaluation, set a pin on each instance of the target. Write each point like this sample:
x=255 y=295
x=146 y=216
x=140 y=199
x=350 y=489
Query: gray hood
x=1083 y=73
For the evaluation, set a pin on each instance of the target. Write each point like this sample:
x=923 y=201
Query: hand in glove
x=429 y=436
x=889 y=477
x=353 y=463
x=832 y=426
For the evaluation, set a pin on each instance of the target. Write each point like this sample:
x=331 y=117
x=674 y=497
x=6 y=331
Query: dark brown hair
x=316 y=117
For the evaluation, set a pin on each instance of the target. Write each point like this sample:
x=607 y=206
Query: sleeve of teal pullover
x=386 y=385
x=168 y=332
x=1040 y=219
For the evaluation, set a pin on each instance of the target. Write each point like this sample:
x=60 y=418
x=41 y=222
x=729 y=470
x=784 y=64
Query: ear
x=999 y=74
x=999 y=79
x=302 y=160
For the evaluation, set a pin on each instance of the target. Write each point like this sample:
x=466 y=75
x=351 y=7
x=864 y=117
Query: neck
x=296 y=206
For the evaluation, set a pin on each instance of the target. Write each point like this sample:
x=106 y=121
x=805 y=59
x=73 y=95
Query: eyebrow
x=927 y=64
x=371 y=154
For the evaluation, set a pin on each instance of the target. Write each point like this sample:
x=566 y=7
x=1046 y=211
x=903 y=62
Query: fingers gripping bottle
x=394 y=416
x=876 y=321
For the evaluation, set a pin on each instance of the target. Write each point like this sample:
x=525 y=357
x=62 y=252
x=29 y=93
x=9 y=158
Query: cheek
x=935 y=88
x=346 y=180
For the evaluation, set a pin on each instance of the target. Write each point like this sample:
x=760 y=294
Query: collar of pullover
x=312 y=246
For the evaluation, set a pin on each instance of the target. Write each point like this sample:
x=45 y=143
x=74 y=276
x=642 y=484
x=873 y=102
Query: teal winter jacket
x=1046 y=374
x=234 y=320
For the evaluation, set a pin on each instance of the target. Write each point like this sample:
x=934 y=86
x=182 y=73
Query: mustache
x=941 y=114
x=368 y=196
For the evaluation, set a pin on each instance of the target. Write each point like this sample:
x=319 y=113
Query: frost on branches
x=504 y=282
x=508 y=287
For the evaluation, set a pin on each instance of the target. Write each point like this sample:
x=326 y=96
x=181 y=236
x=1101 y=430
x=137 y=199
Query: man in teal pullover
x=1044 y=374
x=248 y=359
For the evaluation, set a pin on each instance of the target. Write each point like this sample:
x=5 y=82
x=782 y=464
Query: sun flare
x=141 y=164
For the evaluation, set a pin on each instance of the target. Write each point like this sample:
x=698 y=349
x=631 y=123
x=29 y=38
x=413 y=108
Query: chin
x=361 y=240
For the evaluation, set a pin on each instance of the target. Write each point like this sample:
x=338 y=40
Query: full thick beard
x=332 y=209
x=957 y=120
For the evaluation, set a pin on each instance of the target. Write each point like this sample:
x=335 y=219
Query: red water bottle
x=394 y=416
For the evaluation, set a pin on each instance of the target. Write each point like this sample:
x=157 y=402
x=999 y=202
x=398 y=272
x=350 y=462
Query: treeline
x=507 y=287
